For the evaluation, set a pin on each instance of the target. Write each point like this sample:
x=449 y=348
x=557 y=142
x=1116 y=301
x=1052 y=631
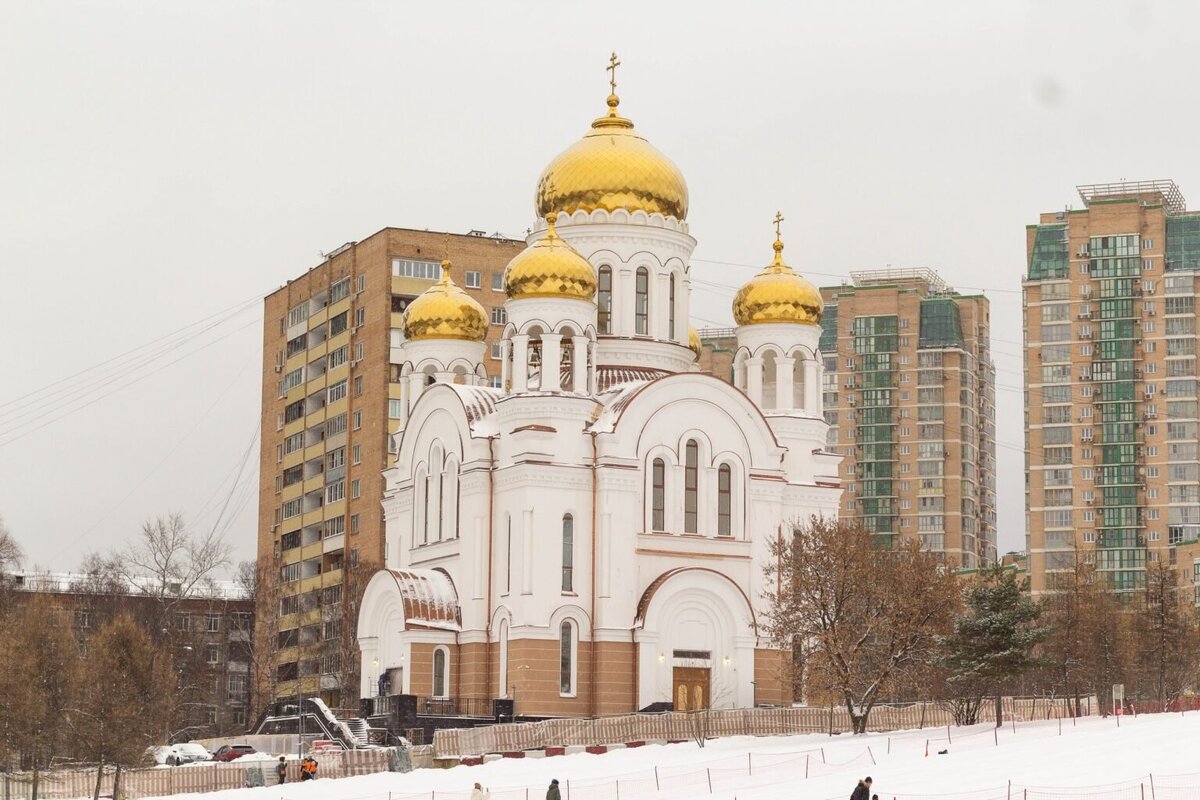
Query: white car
x=173 y=755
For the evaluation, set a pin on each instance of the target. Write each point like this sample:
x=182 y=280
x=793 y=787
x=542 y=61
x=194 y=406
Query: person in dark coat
x=281 y=770
x=552 y=793
x=863 y=790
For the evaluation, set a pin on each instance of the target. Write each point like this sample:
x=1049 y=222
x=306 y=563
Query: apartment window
x=412 y=268
x=497 y=281
x=338 y=357
x=474 y=279
x=293 y=379
x=298 y=314
x=357 y=418
x=362 y=283
x=354 y=523
x=604 y=299
x=496 y=351
x=212 y=623
x=568 y=553
x=499 y=315
x=333 y=527
x=395 y=411
x=339 y=323
x=212 y=655
x=335 y=426
x=335 y=492
x=83 y=619
x=292 y=508
x=336 y=392
x=355 y=488
x=339 y=290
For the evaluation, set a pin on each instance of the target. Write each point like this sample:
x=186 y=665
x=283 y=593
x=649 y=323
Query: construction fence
x=206 y=777
x=714 y=723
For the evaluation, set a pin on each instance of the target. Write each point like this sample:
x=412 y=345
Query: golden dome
x=550 y=268
x=778 y=294
x=612 y=167
x=444 y=311
x=694 y=341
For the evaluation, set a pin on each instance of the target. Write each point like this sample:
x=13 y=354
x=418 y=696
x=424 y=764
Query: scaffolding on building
x=934 y=283
x=1176 y=204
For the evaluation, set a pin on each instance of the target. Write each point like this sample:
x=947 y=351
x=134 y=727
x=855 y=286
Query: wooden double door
x=691 y=690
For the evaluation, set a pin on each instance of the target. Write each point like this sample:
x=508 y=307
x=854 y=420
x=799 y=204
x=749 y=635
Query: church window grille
x=691 y=475
x=658 y=495
x=440 y=672
x=642 y=304
x=604 y=300
x=566 y=662
x=725 y=500
x=568 y=553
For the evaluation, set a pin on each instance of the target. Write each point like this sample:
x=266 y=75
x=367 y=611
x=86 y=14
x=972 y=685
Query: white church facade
x=590 y=537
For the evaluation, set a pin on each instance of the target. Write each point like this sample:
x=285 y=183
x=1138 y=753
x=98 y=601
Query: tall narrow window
x=441 y=501
x=671 y=332
x=508 y=558
x=502 y=690
x=658 y=495
x=642 y=302
x=604 y=300
x=429 y=510
x=568 y=553
x=691 y=476
x=439 y=672
x=724 y=500
x=566 y=660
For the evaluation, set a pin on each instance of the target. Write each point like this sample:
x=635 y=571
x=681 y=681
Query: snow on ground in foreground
x=1092 y=753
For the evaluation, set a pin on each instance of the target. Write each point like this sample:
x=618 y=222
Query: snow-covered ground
x=1041 y=759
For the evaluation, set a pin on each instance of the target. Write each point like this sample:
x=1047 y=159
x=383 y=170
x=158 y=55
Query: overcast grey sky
x=163 y=162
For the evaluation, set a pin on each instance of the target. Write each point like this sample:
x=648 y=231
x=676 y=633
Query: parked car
x=175 y=754
x=188 y=753
x=228 y=752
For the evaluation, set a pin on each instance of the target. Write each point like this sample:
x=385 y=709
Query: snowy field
x=1093 y=757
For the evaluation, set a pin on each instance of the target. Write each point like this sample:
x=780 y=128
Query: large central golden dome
x=550 y=268
x=444 y=311
x=778 y=294
x=612 y=167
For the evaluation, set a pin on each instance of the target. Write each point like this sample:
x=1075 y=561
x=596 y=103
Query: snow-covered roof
x=430 y=599
x=82 y=583
x=480 y=404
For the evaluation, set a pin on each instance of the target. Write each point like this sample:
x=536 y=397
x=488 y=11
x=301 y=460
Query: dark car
x=228 y=752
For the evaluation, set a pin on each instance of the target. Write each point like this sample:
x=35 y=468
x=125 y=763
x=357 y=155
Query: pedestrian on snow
x=308 y=768
x=281 y=770
x=480 y=793
x=552 y=793
x=863 y=790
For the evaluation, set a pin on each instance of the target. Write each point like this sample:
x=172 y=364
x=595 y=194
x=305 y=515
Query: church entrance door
x=691 y=688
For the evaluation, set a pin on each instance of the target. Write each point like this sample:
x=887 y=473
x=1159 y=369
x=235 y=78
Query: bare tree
x=1079 y=614
x=1166 y=637
x=11 y=554
x=253 y=636
x=870 y=614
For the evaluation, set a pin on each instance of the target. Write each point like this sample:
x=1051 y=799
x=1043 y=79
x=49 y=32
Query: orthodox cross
x=612 y=72
x=778 y=219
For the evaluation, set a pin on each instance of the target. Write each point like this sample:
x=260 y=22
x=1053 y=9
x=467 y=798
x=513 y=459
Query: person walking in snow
x=863 y=790
x=281 y=770
x=552 y=793
x=480 y=793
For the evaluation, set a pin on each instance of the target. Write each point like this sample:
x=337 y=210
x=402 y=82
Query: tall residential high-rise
x=910 y=398
x=1110 y=375
x=331 y=397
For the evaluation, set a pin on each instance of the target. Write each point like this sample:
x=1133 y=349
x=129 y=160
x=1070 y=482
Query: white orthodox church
x=590 y=538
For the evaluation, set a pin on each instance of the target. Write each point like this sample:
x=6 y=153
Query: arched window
x=691 y=478
x=440 y=672
x=568 y=553
x=658 y=495
x=566 y=658
x=641 y=308
x=430 y=513
x=508 y=558
x=671 y=312
x=725 y=500
x=441 y=519
x=420 y=503
x=502 y=690
x=604 y=300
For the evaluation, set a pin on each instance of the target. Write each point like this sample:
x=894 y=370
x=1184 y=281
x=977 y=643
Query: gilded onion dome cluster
x=444 y=311
x=778 y=294
x=550 y=268
x=612 y=167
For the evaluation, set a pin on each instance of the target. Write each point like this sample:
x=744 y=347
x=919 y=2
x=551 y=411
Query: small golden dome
x=444 y=311
x=612 y=167
x=778 y=294
x=550 y=268
x=694 y=341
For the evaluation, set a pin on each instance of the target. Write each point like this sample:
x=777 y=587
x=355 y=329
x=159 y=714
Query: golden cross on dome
x=778 y=219
x=612 y=72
